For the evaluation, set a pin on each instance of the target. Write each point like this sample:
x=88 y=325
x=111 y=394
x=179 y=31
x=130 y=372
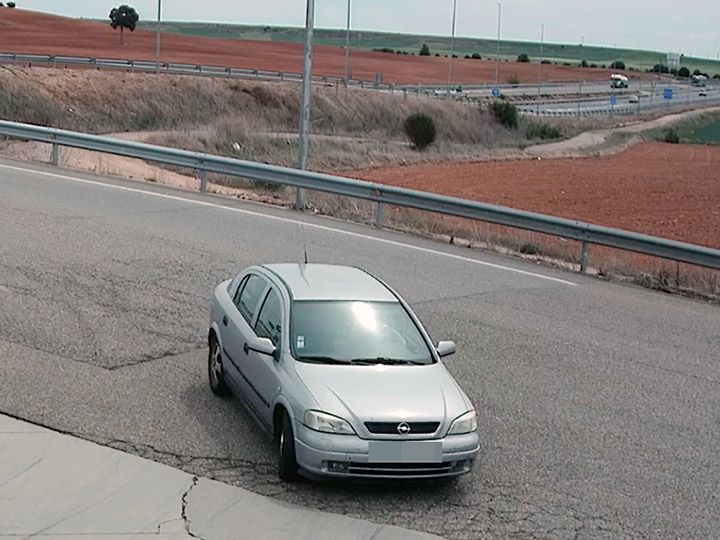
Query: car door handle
x=246 y=348
x=225 y=319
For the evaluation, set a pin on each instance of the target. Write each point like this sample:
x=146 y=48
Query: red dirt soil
x=30 y=32
x=666 y=190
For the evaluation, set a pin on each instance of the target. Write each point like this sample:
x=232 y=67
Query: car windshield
x=347 y=332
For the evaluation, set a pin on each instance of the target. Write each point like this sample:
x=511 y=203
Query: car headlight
x=327 y=423
x=465 y=423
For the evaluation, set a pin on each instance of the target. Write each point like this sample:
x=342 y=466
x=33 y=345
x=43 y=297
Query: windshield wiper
x=321 y=360
x=387 y=361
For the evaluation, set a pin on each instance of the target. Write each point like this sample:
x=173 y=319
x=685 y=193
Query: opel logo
x=403 y=428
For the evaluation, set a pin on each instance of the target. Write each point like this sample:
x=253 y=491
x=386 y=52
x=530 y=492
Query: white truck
x=618 y=81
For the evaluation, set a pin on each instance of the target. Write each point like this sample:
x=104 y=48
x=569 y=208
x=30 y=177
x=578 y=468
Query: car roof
x=330 y=282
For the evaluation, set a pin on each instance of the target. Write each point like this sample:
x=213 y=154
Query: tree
x=523 y=57
x=124 y=16
x=617 y=64
x=10 y=4
x=684 y=72
x=424 y=50
x=584 y=64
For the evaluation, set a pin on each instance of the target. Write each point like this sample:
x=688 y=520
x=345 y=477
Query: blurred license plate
x=405 y=452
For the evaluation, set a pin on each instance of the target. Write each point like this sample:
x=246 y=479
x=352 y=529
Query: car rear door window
x=269 y=321
x=250 y=296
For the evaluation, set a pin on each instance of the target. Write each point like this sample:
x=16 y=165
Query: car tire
x=216 y=373
x=287 y=464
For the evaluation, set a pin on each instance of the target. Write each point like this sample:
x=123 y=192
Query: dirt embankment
x=23 y=31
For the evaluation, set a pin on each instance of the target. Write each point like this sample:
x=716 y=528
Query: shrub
x=684 y=72
x=584 y=63
x=617 y=64
x=10 y=4
x=385 y=50
x=420 y=130
x=546 y=62
x=424 y=50
x=523 y=57
x=542 y=132
x=671 y=136
x=660 y=68
x=505 y=113
x=674 y=71
x=476 y=56
x=593 y=65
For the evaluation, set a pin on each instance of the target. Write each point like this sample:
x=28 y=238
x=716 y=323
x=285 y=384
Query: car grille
x=400 y=470
x=391 y=428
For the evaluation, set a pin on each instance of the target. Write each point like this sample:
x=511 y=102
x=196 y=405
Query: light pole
x=542 y=42
x=157 y=40
x=305 y=100
x=452 y=46
x=347 y=46
x=497 y=56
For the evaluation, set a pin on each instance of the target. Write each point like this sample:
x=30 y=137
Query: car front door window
x=269 y=322
x=249 y=298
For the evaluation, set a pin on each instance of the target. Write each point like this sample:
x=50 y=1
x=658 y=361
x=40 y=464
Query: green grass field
x=487 y=48
x=707 y=134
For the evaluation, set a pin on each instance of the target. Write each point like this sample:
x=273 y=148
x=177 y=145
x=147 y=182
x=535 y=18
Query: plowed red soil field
x=27 y=32
x=667 y=190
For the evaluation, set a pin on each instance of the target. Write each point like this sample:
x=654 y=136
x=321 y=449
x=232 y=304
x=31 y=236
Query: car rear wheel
x=287 y=464
x=216 y=374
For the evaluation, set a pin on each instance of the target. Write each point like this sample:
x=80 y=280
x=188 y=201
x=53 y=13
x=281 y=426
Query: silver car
x=334 y=365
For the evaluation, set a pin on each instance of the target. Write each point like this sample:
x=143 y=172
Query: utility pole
x=347 y=46
x=157 y=40
x=497 y=59
x=452 y=47
x=305 y=100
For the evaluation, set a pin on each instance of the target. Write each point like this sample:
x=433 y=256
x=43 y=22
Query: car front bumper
x=347 y=456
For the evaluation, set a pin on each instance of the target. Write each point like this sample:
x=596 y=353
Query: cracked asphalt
x=598 y=403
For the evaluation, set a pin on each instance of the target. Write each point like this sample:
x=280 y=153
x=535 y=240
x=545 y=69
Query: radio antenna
x=302 y=226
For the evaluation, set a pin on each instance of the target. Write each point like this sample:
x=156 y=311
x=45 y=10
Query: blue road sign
x=613 y=100
x=495 y=91
x=667 y=93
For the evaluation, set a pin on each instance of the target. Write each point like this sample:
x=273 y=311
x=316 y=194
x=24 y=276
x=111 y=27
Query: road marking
x=293 y=221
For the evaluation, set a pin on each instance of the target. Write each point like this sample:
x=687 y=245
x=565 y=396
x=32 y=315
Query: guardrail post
x=379 y=214
x=584 y=257
x=55 y=155
x=202 y=176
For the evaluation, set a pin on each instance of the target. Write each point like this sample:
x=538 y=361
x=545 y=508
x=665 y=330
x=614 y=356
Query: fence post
x=584 y=257
x=202 y=175
x=379 y=214
x=55 y=155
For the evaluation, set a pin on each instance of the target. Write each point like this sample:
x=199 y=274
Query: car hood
x=383 y=393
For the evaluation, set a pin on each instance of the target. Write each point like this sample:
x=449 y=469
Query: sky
x=689 y=27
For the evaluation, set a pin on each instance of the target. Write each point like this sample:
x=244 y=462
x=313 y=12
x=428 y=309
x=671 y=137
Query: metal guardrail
x=175 y=68
x=585 y=233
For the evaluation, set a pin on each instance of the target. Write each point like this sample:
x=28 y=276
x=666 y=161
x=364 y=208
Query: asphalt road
x=598 y=403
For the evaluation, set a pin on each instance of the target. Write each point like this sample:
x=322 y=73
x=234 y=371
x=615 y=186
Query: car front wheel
x=216 y=374
x=287 y=464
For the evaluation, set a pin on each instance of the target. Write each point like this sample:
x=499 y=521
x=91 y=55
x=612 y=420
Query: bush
x=505 y=113
x=476 y=56
x=684 y=72
x=385 y=50
x=10 y=4
x=523 y=57
x=420 y=130
x=671 y=136
x=617 y=64
x=584 y=63
x=546 y=62
x=660 y=68
x=424 y=50
x=542 y=132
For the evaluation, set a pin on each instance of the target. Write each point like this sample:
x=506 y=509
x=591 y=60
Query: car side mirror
x=262 y=345
x=445 y=348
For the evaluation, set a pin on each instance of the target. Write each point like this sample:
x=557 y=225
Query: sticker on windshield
x=301 y=342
